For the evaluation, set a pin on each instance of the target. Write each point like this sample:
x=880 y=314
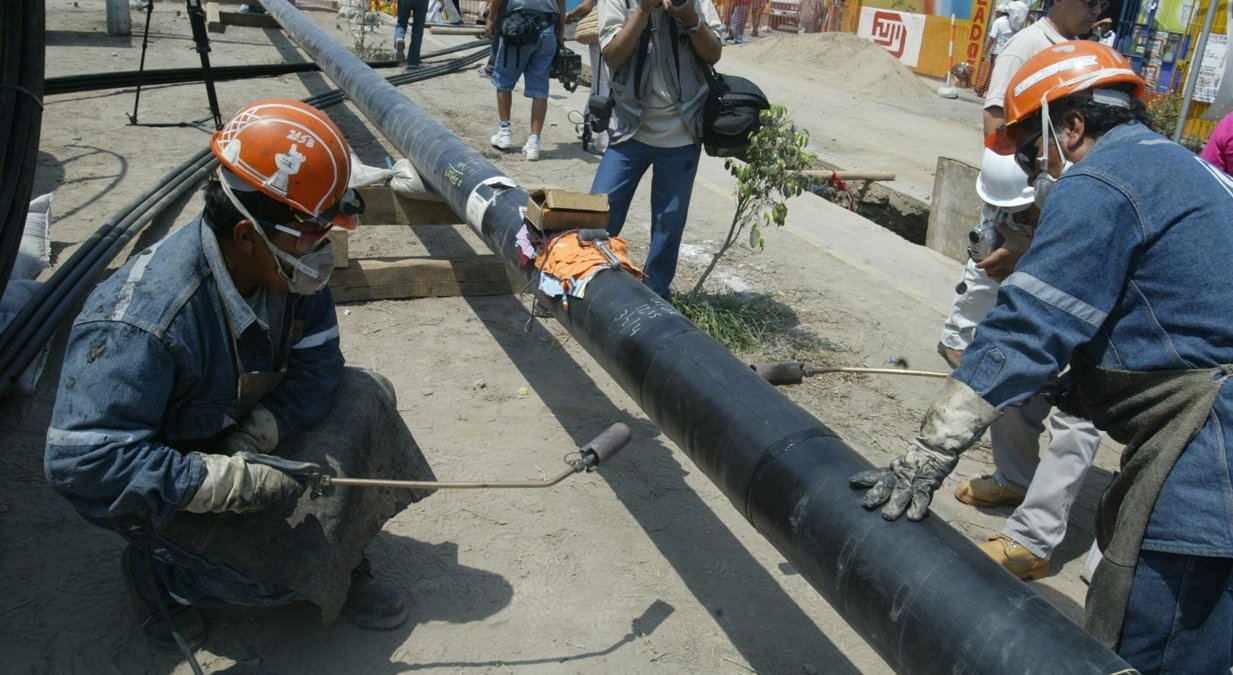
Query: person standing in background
x=405 y=8
x=1219 y=148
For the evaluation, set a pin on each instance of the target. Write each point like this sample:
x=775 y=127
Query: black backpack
x=732 y=114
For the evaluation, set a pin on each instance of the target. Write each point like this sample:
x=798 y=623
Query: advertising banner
x=899 y=33
x=1211 y=69
x=978 y=31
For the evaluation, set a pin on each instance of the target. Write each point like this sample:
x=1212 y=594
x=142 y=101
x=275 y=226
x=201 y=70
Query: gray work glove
x=954 y=421
x=231 y=484
x=256 y=433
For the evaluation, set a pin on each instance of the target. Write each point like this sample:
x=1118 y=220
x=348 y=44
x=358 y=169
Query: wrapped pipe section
x=901 y=585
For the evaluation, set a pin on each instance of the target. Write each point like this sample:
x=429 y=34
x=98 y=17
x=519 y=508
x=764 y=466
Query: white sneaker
x=531 y=149
x=503 y=139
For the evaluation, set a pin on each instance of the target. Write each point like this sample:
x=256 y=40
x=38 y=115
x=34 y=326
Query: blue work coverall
x=151 y=373
x=1130 y=268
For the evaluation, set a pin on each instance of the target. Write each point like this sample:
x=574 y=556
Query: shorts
x=531 y=62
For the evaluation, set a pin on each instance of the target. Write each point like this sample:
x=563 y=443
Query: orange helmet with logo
x=292 y=153
x=1061 y=70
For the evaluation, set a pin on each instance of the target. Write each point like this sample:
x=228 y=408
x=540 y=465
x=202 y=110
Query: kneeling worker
x=219 y=340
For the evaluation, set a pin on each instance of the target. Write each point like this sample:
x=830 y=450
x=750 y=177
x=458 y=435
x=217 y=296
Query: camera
x=567 y=68
x=597 y=117
x=984 y=239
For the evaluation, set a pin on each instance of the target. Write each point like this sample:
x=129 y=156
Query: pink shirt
x=1219 y=148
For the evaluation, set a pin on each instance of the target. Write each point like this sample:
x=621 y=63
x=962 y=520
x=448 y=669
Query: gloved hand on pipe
x=231 y=484
x=257 y=433
x=954 y=421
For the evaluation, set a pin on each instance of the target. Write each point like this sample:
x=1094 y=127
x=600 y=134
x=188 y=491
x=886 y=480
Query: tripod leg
x=145 y=42
x=196 y=17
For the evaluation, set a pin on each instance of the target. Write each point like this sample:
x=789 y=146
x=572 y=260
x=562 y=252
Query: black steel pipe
x=71 y=84
x=21 y=116
x=919 y=593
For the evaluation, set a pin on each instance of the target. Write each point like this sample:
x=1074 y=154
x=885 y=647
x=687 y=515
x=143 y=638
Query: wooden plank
x=234 y=17
x=214 y=22
x=388 y=278
x=383 y=206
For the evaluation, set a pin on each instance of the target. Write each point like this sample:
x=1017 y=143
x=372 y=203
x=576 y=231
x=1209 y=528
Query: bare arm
x=622 y=45
x=993 y=116
x=583 y=9
x=706 y=44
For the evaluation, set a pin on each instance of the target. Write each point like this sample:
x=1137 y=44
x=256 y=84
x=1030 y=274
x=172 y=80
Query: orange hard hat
x=1061 y=70
x=292 y=153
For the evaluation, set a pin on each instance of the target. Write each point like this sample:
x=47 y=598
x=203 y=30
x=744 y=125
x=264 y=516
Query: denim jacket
x=151 y=372
x=1129 y=267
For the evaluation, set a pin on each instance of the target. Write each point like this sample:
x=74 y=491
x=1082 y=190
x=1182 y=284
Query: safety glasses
x=1026 y=153
x=305 y=241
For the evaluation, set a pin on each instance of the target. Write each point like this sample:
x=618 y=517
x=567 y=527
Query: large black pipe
x=919 y=593
x=21 y=118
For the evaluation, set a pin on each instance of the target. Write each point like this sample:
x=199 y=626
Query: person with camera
x=1118 y=285
x=531 y=33
x=657 y=50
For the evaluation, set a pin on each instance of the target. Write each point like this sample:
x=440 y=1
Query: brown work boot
x=987 y=491
x=373 y=604
x=950 y=355
x=1019 y=561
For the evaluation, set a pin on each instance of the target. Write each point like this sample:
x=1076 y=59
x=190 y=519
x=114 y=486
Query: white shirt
x=1000 y=33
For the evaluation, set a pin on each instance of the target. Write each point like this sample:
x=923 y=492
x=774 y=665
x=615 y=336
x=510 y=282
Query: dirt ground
x=643 y=567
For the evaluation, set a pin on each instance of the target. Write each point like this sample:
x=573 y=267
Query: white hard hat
x=1016 y=14
x=1001 y=7
x=1002 y=183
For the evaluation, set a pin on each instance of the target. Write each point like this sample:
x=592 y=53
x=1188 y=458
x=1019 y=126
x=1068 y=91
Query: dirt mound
x=841 y=60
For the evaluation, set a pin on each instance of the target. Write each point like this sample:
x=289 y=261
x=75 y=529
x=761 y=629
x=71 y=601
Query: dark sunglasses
x=1026 y=153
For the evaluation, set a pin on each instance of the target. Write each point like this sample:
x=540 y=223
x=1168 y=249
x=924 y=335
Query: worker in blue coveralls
x=204 y=356
x=1126 y=282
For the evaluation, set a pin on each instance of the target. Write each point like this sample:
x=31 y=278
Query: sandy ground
x=643 y=567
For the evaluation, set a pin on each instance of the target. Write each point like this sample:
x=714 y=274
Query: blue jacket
x=150 y=373
x=1130 y=267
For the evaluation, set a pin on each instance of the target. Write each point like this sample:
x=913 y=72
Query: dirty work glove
x=231 y=484
x=256 y=433
x=953 y=422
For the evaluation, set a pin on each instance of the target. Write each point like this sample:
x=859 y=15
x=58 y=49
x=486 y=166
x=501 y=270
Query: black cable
x=71 y=84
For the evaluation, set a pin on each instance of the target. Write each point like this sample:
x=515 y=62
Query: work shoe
x=987 y=491
x=503 y=139
x=531 y=148
x=372 y=604
x=145 y=598
x=485 y=71
x=1019 y=561
x=400 y=50
x=950 y=355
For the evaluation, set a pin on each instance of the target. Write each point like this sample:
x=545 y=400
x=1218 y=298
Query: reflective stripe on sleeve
x=317 y=339
x=1057 y=298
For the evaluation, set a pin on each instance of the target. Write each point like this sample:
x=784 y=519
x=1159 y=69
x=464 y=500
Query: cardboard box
x=550 y=210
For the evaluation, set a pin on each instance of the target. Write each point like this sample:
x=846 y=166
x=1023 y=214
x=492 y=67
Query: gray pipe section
x=919 y=593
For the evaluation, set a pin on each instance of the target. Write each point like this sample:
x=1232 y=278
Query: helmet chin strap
x=279 y=254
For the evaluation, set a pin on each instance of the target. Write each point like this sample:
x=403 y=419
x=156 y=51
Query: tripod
x=196 y=18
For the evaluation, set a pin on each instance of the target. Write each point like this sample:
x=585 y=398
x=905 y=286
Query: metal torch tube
x=920 y=593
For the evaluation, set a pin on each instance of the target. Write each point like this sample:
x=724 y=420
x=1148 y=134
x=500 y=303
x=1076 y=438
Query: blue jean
x=405 y=8
x=532 y=63
x=1180 y=616
x=672 y=183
